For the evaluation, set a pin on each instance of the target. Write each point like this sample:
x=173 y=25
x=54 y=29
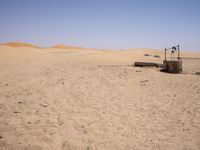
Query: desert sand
x=70 y=98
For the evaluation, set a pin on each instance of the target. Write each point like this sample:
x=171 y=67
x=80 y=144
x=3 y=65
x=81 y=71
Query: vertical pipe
x=178 y=53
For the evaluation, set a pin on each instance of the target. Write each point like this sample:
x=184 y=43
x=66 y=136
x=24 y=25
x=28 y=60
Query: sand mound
x=63 y=46
x=19 y=44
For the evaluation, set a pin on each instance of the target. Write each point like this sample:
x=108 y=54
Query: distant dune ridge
x=63 y=46
x=19 y=44
x=23 y=44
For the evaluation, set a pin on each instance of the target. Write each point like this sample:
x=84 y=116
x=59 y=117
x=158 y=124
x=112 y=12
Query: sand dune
x=62 y=99
x=57 y=46
x=63 y=46
x=19 y=44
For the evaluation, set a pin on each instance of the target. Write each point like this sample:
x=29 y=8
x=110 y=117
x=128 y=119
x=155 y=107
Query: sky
x=103 y=24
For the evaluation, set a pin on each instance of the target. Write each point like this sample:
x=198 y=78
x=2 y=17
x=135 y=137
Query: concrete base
x=147 y=64
x=172 y=66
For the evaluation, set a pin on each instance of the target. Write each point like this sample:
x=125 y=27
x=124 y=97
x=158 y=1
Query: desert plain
x=73 y=98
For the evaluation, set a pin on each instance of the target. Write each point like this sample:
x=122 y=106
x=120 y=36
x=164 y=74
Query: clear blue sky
x=116 y=24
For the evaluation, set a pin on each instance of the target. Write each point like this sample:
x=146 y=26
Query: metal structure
x=174 y=64
x=173 y=50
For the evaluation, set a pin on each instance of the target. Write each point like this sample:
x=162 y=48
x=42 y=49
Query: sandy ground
x=84 y=99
